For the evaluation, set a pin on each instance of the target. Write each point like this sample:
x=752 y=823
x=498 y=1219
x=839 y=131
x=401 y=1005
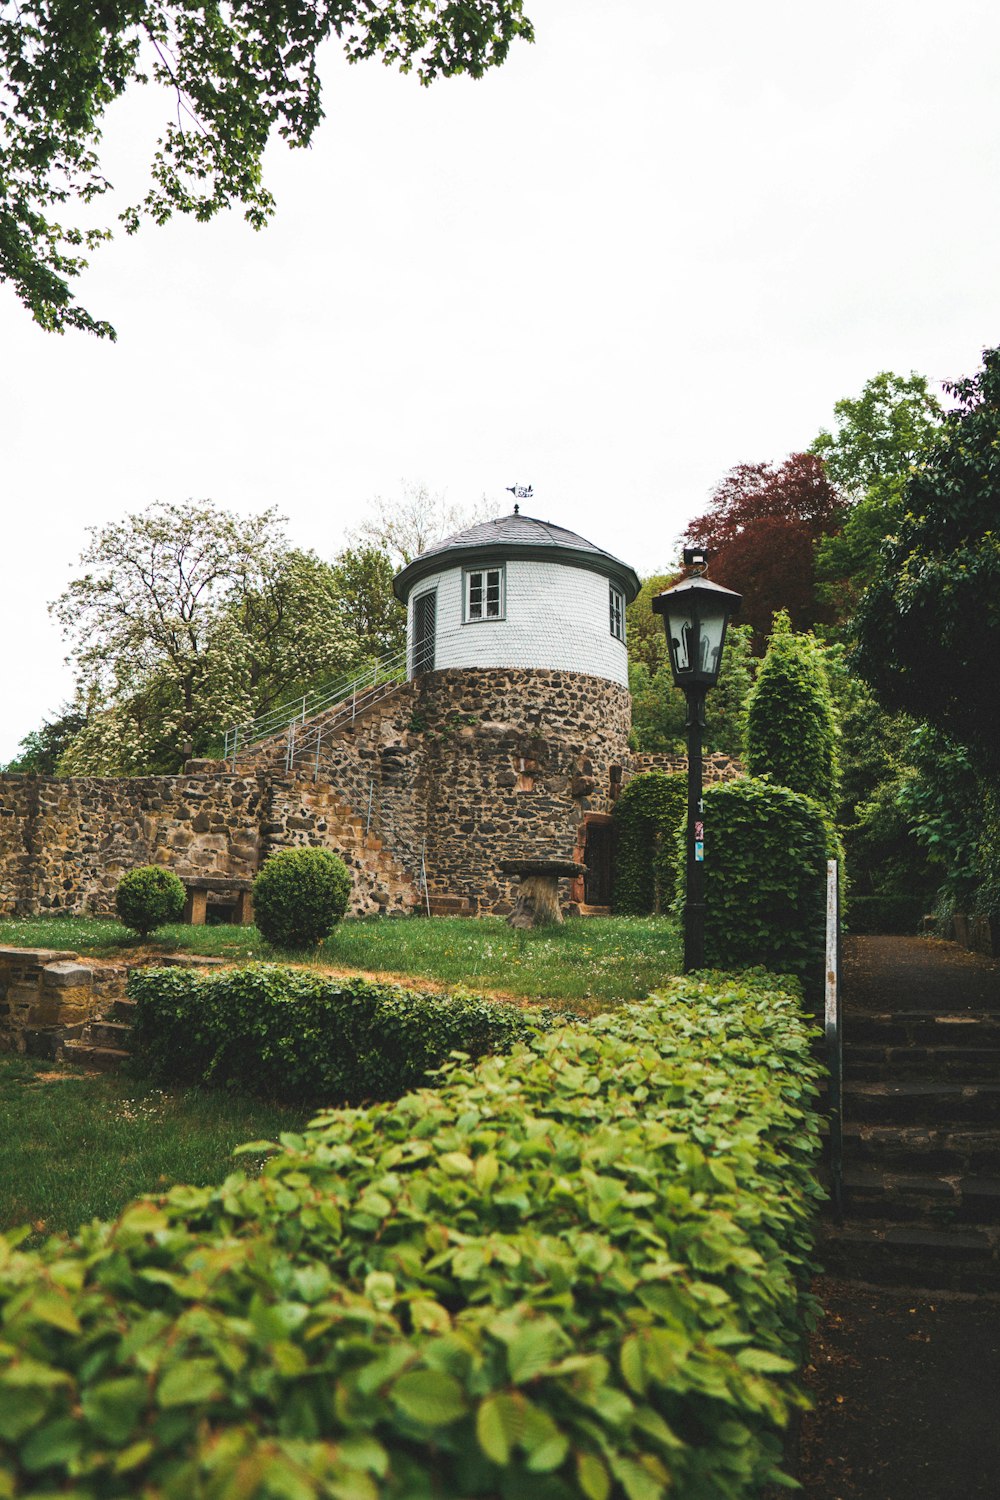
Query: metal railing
x=833 y=1026
x=340 y=701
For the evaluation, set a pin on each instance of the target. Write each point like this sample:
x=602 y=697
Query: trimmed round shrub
x=647 y=814
x=790 y=729
x=299 y=896
x=766 y=849
x=149 y=897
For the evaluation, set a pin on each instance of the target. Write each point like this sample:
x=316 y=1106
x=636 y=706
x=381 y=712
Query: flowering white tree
x=188 y=619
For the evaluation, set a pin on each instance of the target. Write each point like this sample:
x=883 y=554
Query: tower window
x=484 y=594
x=617 y=603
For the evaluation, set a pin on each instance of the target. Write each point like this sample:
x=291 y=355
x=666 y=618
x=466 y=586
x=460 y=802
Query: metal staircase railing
x=341 y=701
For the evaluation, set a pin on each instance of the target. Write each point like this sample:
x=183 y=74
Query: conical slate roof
x=515 y=536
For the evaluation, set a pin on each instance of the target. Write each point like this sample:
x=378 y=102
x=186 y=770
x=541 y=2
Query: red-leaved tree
x=761 y=529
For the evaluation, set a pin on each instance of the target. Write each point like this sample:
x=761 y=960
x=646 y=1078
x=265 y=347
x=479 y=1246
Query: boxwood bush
x=576 y=1271
x=294 y=1036
x=149 y=897
x=299 y=896
x=766 y=849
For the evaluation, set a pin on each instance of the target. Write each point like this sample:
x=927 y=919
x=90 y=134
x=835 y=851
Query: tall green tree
x=659 y=708
x=369 y=609
x=878 y=440
x=791 y=734
x=40 y=752
x=186 y=620
x=233 y=78
x=927 y=630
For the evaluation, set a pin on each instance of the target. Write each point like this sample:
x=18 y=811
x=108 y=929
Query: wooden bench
x=537 y=902
x=200 y=887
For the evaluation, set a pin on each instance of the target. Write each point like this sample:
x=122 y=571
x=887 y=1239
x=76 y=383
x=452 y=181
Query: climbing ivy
x=647 y=815
x=791 y=734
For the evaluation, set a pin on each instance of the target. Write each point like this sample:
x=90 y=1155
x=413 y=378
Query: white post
x=831 y=946
x=423 y=872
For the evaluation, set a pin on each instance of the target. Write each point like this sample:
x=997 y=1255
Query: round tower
x=516 y=645
x=517 y=592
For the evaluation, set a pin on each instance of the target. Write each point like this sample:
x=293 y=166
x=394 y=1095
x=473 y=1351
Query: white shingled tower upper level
x=517 y=592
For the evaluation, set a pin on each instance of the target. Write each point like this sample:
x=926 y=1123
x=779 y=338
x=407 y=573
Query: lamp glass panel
x=680 y=629
x=712 y=634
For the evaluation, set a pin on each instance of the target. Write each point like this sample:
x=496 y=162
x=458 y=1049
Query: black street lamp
x=695 y=615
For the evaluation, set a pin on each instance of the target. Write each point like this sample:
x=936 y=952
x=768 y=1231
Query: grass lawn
x=596 y=961
x=77 y=1146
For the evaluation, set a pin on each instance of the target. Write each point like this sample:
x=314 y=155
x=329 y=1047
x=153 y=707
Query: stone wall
x=449 y=774
x=65 y=843
x=715 y=766
x=47 y=996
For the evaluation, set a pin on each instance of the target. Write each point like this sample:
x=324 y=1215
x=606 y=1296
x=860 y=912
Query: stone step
x=943 y=1150
x=960 y=1259
x=103 y=1059
x=124 y=1010
x=920 y=1101
x=921 y=1028
x=450 y=906
x=915 y=1197
x=873 y=1064
x=114 y=1034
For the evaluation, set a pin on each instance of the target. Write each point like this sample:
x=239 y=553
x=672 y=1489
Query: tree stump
x=537 y=903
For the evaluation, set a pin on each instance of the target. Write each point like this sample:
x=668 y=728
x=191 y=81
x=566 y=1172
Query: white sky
x=660 y=242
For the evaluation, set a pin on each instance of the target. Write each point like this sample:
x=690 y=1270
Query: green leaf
x=533 y=1348
x=112 y=1408
x=499 y=1425
x=190 y=1382
x=592 y=1477
x=763 y=1362
x=429 y=1397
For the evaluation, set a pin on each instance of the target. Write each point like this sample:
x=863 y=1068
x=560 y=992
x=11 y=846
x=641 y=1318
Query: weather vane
x=520 y=492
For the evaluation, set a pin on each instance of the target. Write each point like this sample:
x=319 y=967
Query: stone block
x=67 y=975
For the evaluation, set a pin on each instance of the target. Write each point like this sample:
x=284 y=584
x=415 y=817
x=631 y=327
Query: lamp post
x=695 y=615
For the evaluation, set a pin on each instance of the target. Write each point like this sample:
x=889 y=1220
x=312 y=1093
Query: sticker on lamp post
x=699 y=851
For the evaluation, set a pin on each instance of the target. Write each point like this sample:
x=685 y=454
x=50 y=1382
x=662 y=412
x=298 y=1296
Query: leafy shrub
x=299 y=896
x=578 y=1271
x=766 y=849
x=148 y=898
x=790 y=730
x=294 y=1036
x=647 y=814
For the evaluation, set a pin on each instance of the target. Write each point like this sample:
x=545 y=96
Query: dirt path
x=906 y=1384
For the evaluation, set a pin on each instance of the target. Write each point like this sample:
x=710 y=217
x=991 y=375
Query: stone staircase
x=102 y=1044
x=380 y=884
x=921 y=1150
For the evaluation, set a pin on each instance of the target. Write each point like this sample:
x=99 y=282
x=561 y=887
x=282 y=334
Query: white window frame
x=468 y=574
x=616 y=612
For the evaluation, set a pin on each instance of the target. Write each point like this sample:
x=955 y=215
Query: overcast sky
x=661 y=241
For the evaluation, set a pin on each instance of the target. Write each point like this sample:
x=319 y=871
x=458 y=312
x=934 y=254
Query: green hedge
x=291 y=1035
x=766 y=849
x=577 y=1271
x=646 y=815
